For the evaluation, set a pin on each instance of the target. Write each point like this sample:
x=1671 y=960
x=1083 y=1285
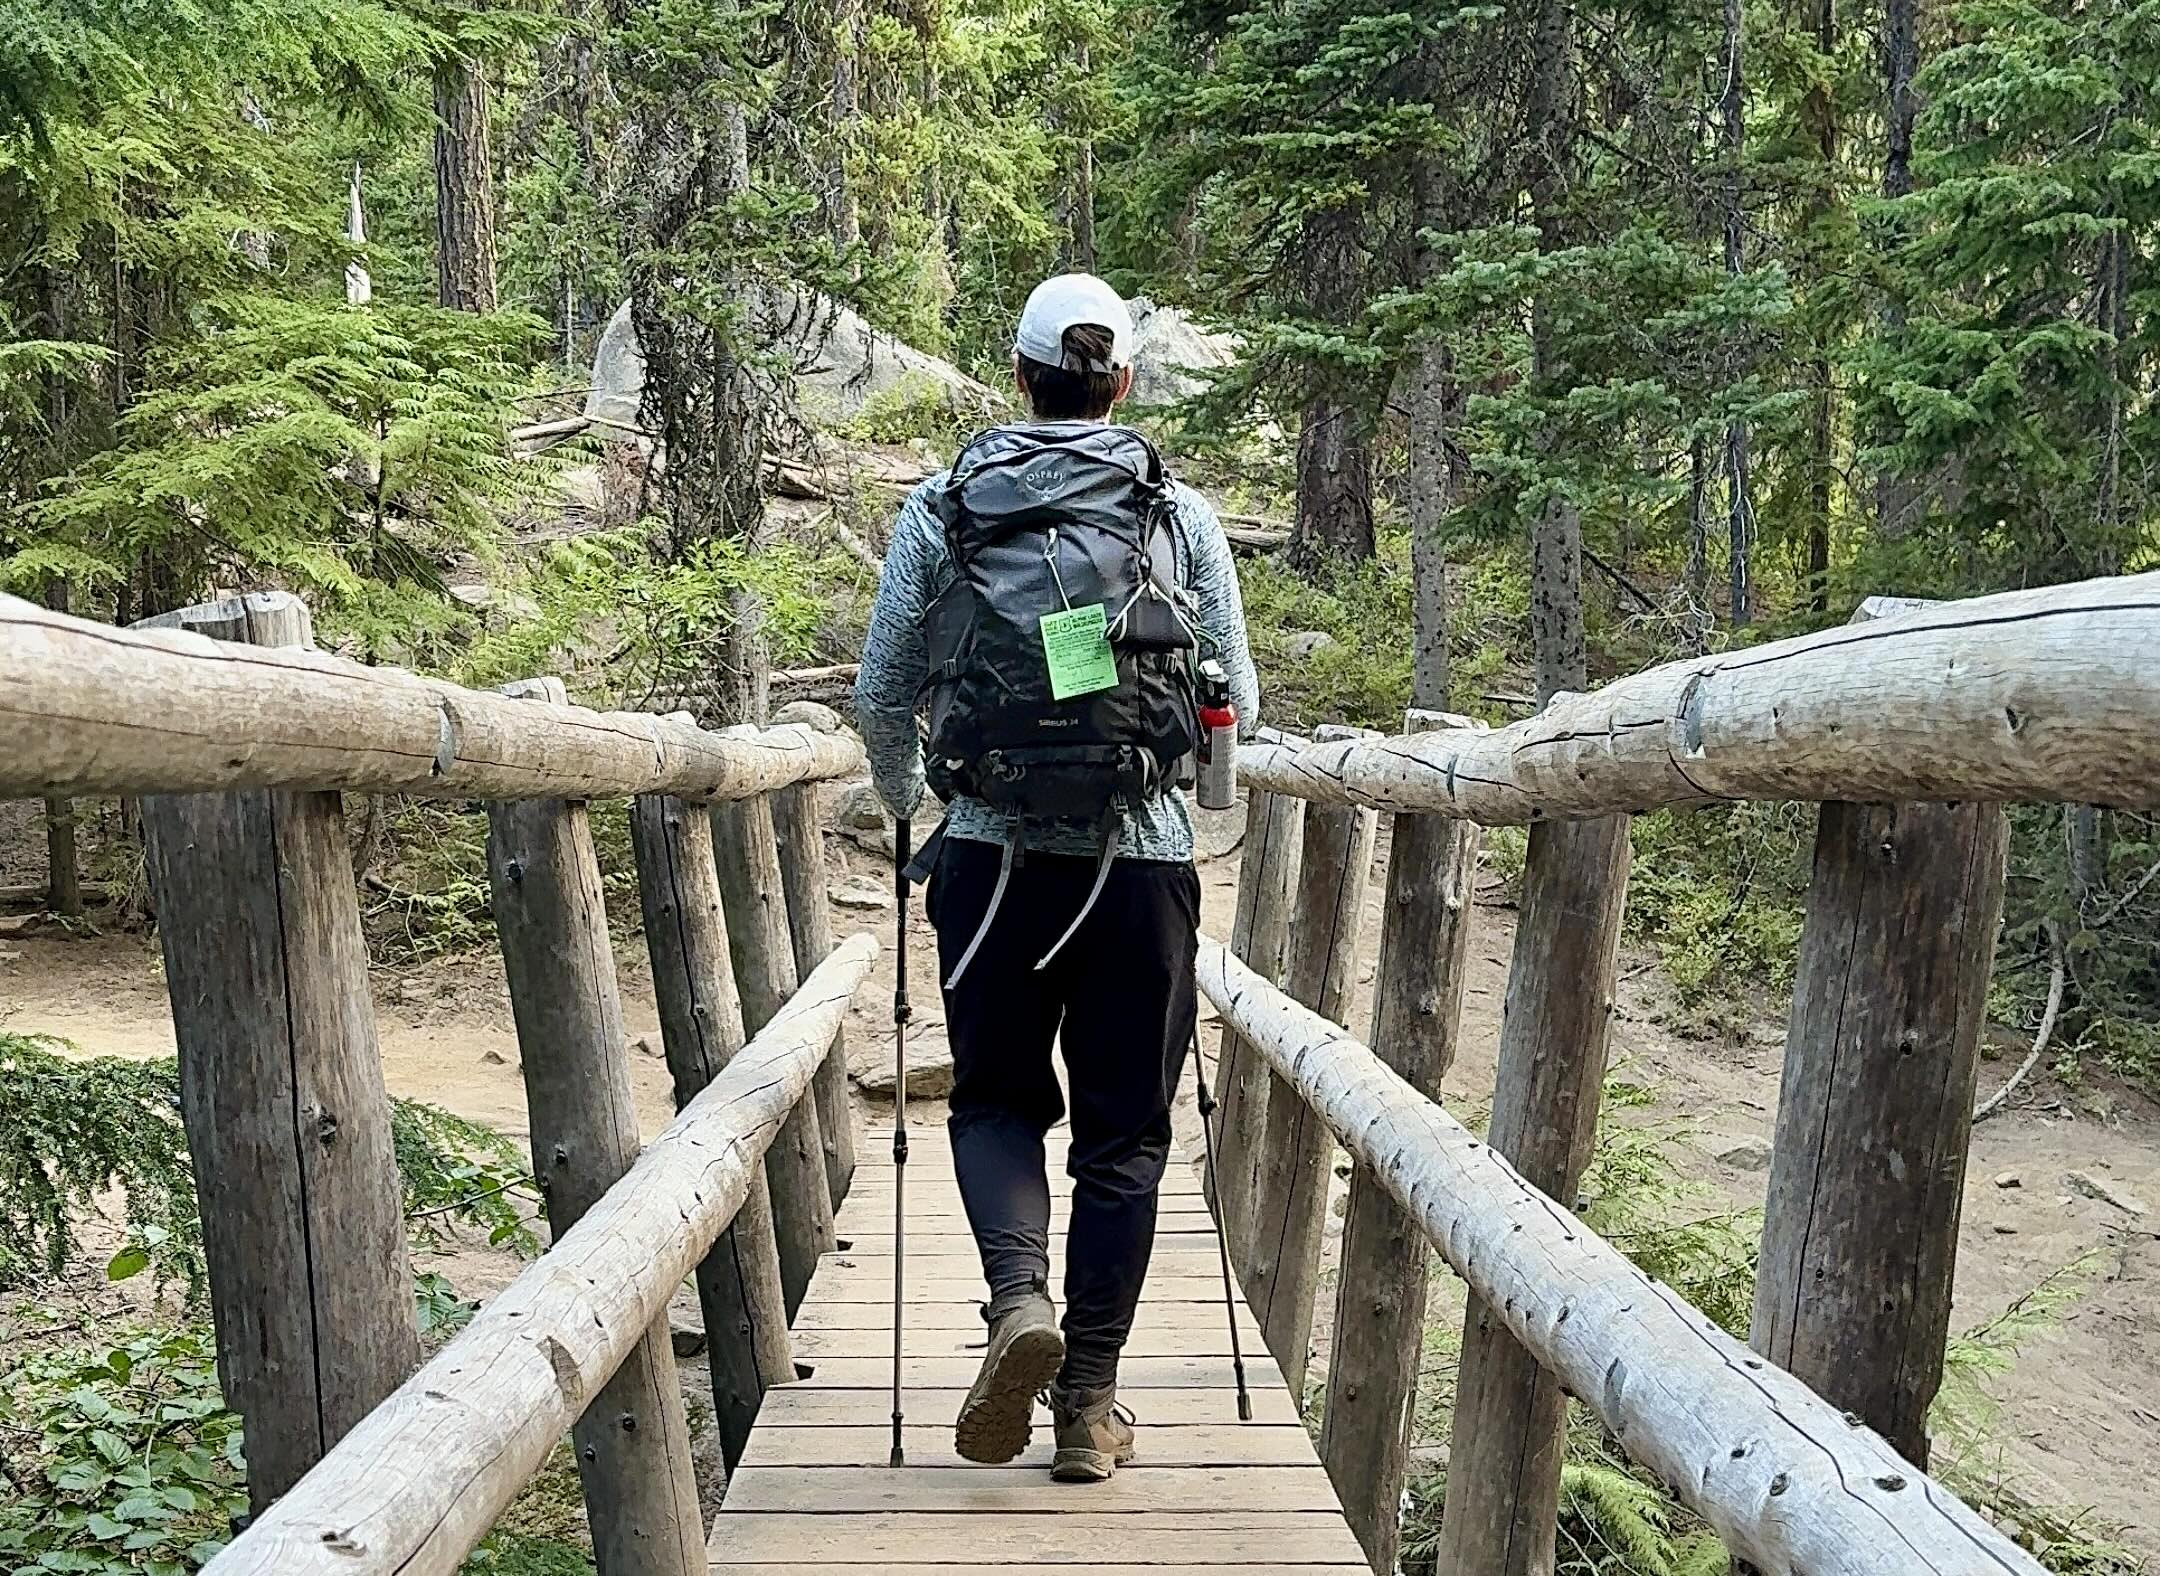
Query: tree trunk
x=1556 y=609
x=464 y=189
x=1698 y=548
x=846 y=110
x=1818 y=111
x=1334 y=489
x=1334 y=522
x=1083 y=179
x=63 y=879
x=1428 y=398
x=1897 y=499
x=1740 y=516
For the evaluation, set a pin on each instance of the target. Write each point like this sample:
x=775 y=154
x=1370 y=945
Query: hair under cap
x=1070 y=301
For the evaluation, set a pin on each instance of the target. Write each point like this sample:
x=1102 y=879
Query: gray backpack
x=1063 y=654
x=1037 y=706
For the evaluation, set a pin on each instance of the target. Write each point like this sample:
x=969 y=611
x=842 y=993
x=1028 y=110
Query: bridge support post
x=632 y=1442
x=1503 y=1488
x=1260 y=935
x=1875 y=1112
x=1380 y=1293
x=1289 y=1206
x=281 y=1092
x=802 y=874
x=701 y=1029
x=754 y=895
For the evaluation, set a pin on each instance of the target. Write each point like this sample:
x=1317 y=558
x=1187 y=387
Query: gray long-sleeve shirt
x=896 y=661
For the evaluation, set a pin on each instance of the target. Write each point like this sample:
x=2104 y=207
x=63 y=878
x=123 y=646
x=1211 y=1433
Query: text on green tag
x=1077 y=646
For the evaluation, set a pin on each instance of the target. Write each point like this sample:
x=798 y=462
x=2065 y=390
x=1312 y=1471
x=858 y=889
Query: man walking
x=1054 y=598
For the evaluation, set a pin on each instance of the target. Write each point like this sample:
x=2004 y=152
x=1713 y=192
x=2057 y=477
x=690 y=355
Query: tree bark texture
x=1260 y=934
x=281 y=1093
x=632 y=1443
x=1380 y=1294
x=1282 y=1261
x=464 y=189
x=701 y=1029
x=801 y=837
x=1334 y=521
x=754 y=896
x=1875 y=1112
x=1740 y=504
x=1503 y=1486
x=1428 y=497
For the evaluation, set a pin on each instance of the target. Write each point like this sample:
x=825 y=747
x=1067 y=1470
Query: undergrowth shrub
x=73 y=1131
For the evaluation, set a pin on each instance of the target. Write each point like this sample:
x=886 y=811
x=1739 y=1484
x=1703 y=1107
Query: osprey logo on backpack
x=1047 y=523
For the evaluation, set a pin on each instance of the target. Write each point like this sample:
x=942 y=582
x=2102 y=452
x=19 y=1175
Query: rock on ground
x=1170 y=352
x=930 y=1071
x=841 y=364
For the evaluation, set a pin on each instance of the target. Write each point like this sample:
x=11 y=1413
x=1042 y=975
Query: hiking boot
x=1094 y=1435
x=1025 y=1351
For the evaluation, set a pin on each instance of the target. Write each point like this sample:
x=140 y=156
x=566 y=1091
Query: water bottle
x=1215 y=782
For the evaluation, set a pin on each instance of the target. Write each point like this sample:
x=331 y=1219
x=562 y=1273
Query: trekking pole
x=1222 y=1246
x=902 y=836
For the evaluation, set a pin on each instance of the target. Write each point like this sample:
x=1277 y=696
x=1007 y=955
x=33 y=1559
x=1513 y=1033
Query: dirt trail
x=2081 y=1408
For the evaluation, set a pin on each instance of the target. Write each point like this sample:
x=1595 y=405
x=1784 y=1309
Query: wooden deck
x=815 y=1492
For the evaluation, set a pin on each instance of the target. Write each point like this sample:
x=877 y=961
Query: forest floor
x=2080 y=1418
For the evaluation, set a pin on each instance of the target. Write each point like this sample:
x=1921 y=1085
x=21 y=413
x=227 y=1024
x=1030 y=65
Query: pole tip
x=1244 y=1407
x=899 y=1457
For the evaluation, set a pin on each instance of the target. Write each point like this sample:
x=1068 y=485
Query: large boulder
x=1171 y=353
x=841 y=364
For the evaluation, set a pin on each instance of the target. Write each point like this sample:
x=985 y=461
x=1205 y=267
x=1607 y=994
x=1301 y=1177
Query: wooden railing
x=1805 y=1453
x=239 y=735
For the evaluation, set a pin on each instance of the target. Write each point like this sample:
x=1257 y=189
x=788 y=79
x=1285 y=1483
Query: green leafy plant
x=119 y=1456
x=74 y=1129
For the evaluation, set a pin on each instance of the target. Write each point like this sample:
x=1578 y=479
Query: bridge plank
x=1222 y=1443
x=815 y=1491
x=1186 y=1539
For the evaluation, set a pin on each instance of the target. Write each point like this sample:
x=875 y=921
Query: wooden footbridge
x=1804 y=1448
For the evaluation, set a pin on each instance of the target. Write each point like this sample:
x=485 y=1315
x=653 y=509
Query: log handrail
x=1782 y=1476
x=2050 y=696
x=420 y=1480
x=87 y=709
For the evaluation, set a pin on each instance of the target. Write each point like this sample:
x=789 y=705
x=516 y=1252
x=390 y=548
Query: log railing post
x=1289 y=1207
x=1380 y=1294
x=632 y=1441
x=802 y=874
x=701 y=1029
x=1259 y=934
x=1875 y=1112
x=754 y=895
x=281 y=1092
x=1503 y=1485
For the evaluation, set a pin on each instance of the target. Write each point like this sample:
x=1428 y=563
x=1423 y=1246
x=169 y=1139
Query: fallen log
x=1779 y=1474
x=2050 y=695
x=86 y=709
x=420 y=1480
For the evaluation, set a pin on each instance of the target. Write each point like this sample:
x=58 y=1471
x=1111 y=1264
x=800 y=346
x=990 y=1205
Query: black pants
x=1119 y=1000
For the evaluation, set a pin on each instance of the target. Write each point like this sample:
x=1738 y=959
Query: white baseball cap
x=1069 y=301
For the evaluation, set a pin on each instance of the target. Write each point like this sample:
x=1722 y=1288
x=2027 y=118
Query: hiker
x=1052 y=598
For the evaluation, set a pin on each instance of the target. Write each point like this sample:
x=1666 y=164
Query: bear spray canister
x=1215 y=780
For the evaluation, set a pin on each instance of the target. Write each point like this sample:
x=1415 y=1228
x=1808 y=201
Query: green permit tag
x=1076 y=644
